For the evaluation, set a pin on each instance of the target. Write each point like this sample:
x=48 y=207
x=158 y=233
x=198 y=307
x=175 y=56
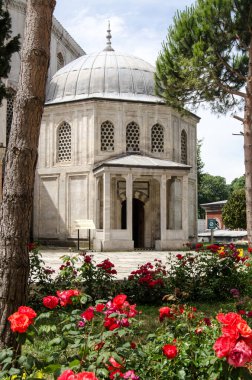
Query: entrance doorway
x=138 y=223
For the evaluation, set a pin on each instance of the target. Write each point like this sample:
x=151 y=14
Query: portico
x=141 y=202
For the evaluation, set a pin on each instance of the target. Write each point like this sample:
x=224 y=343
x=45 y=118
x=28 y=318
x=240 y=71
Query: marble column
x=106 y=206
x=163 y=207
x=185 y=205
x=129 y=192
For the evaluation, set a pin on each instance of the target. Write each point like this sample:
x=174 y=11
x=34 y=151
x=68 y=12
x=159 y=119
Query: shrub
x=147 y=284
x=210 y=274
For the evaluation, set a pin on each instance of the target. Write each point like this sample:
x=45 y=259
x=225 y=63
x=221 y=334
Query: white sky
x=139 y=27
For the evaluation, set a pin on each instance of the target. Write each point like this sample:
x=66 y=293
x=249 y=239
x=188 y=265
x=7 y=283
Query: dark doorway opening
x=124 y=215
x=138 y=223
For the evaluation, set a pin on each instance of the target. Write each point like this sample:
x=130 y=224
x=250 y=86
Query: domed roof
x=107 y=75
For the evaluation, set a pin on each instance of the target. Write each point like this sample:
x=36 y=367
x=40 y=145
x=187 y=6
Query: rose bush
x=105 y=341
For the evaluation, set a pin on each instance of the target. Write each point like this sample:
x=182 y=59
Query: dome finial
x=109 y=36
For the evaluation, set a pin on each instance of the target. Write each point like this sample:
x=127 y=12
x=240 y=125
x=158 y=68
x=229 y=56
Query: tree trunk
x=21 y=158
x=248 y=144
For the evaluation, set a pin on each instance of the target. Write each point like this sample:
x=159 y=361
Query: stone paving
x=124 y=262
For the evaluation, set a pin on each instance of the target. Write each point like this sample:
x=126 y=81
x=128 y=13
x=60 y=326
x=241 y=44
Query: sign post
x=211 y=225
x=84 y=224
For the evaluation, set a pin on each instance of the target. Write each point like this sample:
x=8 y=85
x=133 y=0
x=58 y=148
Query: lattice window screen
x=183 y=147
x=64 y=142
x=107 y=136
x=157 y=138
x=132 y=137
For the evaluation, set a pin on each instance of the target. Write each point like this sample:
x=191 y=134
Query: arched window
x=9 y=114
x=60 y=61
x=183 y=147
x=157 y=138
x=64 y=142
x=132 y=137
x=107 y=136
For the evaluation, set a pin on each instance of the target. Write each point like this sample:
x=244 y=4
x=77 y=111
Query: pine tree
x=8 y=46
x=207 y=57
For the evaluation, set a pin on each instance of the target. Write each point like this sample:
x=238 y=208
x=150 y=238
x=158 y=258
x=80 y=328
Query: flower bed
x=102 y=341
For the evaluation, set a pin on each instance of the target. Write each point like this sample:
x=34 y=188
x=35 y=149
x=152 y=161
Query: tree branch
x=238 y=118
x=232 y=91
x=230 y=68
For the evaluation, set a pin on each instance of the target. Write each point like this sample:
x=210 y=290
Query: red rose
x=27 y=311
x=85 y=376
x=67 y=375
x=170 y=351
x=244 y=330
x=99 y=307
x=223 y=346
x=240 y=354
x=119 y=300
x=51 y=302
x=88 y=314
x=19 y=322
x=231 y=331
x=70 y=375
x=164 y=312
x=66 y=295
x=229 y=318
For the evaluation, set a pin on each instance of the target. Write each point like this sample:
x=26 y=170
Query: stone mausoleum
x=111 y=151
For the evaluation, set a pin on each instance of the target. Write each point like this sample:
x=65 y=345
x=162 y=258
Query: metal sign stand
x=84 y=224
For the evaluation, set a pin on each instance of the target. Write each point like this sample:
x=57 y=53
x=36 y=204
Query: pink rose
x=70 y=375
x=240 y=354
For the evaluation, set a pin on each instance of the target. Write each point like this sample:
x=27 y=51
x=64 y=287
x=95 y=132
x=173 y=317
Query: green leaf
x=52 y=368
x=74 y=363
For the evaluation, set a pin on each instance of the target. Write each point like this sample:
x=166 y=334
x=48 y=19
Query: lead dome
x=107 y=75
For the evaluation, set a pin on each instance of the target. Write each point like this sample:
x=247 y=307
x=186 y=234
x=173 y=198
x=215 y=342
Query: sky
x=139 y=27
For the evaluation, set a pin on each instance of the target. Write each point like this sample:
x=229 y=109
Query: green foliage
x=234 y=211
x=8 y=46
x=210 y=275
x=96 y=280
x=205 y=55
x=237 y=183
x=212 y=189
x=148 y=284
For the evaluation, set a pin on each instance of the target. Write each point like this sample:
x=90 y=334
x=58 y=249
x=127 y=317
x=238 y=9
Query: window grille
x=107 y=136
x=157 y=138
x=132 y=137
x=64 y=142
x=183 y=147
x=60 y=61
